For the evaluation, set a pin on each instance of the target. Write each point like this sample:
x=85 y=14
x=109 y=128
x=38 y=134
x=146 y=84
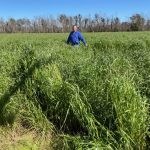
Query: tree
x=137 y=22
x=125 y=26
x=116 y=24
x=2 y=25
x=70 y=22
x=85 y=23
x=76 y=20
x=10 y=25
x=148 y=25
x=107 y=26
x=98 y=21
x=63 y=21
x=44 y=25
x=80 y=21
x=103 y=23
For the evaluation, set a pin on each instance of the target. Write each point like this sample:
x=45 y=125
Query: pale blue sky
x=32 y=8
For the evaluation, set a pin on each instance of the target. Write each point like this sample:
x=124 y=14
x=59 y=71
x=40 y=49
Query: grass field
x=55 y=96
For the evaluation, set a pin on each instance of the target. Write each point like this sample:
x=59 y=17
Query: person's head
x=74 y=28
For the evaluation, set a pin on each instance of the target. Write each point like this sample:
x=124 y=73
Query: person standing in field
x=75 y=37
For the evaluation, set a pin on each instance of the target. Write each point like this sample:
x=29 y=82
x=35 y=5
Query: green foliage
x=94 y=97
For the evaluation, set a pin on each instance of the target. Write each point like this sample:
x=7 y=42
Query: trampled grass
x=94 y=97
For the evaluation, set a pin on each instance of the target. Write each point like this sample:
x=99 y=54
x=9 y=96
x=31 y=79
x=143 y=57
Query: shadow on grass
x=20 y=82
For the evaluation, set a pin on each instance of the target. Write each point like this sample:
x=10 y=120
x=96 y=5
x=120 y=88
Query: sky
x=32 y=8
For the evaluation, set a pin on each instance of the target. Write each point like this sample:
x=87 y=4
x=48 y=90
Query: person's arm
x=68 y=40
x=82 y=39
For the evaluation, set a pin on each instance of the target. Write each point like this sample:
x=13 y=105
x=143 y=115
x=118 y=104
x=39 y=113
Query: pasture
x=55 y=96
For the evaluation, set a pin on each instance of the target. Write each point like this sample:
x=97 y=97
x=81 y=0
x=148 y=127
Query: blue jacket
x=75 y=38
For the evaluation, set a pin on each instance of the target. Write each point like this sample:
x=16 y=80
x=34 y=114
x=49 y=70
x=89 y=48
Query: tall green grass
x=94 y=97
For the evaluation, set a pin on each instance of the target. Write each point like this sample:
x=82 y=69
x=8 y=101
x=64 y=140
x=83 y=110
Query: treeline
x=63 y=23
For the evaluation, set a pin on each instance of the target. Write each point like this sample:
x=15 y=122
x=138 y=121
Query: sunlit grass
x=94 y=97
